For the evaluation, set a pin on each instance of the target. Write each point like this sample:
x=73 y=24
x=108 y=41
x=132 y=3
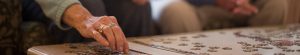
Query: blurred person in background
x=197 y=15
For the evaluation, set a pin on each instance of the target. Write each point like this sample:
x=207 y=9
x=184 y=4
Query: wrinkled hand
x=105 y=30
x=107 y=26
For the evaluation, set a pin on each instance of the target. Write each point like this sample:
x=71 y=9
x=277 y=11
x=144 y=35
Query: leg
x=179 y=17
x=293 y=13
x=271 y=12
x=212 y=17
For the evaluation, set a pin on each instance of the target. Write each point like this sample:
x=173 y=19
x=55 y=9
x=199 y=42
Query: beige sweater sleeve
x=54 y=9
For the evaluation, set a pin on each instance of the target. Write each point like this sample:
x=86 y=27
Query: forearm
x=75 y=15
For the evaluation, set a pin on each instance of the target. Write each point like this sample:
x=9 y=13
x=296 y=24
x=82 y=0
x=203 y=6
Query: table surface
x=279 y=40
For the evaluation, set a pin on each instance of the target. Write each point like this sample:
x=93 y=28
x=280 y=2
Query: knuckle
x=113 y=18
x=117 y=28
x=104 y=19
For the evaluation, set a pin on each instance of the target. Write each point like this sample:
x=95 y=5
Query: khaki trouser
x=293 y=14
x=181 y=17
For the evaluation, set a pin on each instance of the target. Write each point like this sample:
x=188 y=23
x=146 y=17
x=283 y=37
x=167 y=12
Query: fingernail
x=126 y=51
x=120 y=49
x=106 y=44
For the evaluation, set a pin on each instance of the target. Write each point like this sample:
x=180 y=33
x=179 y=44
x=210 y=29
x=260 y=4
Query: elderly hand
x=107 y=26
x=104 y=30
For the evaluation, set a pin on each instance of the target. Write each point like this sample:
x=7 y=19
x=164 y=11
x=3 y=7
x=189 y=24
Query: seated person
x=68 y=14
x=197 y=15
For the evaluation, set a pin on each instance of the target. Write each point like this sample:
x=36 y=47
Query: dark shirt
x=134 y=20
x=201 y=2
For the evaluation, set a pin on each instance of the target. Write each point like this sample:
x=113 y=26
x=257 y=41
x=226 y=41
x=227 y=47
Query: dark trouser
x=134 y=20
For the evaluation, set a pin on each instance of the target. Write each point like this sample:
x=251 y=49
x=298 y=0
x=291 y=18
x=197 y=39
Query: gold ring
x=111 y=25
x=101 y=28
